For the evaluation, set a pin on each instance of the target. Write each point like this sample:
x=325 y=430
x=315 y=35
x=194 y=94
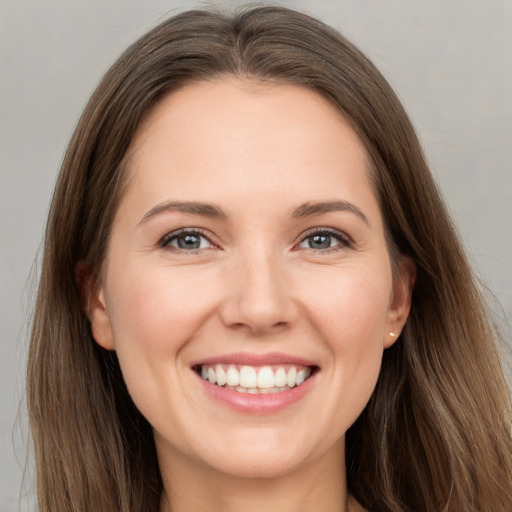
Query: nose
x=259 y=298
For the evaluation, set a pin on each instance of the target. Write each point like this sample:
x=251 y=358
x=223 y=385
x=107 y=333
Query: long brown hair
x=436 y=434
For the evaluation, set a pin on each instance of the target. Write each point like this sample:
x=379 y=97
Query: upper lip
x=243 y=358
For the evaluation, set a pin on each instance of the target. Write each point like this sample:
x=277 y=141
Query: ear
x=400 y=305
x=92 y=297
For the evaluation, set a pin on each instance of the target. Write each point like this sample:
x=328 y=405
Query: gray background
x=449 y=60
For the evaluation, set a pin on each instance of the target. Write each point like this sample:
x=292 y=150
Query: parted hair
x=436 y=433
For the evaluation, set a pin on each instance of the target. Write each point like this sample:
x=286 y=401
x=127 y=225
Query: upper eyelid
x=332 y=231
x=184 y=231
x=211 y=238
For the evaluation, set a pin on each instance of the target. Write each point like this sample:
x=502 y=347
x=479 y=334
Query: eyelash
x=344 y=241
x=175 y=235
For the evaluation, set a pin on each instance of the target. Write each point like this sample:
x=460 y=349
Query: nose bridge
x=259 y=297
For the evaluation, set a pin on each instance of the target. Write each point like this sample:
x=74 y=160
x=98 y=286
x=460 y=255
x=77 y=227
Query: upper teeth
x=264 y=377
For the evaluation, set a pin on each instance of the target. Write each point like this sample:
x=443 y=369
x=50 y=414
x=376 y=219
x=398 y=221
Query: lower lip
x=257 y=404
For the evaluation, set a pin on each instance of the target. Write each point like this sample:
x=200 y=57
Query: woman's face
x=248 y=250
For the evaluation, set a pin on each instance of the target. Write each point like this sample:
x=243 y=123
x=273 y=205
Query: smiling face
x=248 y=254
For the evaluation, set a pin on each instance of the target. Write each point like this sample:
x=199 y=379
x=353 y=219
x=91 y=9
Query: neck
x=321 y=485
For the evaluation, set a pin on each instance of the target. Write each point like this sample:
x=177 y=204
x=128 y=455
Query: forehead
x=241 y=138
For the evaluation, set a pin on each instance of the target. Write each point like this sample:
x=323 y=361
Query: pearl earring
x=392 y=334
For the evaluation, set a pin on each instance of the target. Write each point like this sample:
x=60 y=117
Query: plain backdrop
x=449 y=60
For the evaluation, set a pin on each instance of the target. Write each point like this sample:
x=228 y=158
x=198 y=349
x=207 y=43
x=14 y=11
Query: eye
x=186 y=240
x=324 y=240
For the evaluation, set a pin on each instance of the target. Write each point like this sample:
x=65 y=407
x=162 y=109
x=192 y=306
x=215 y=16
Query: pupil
x=320 y=242
x=189 y=242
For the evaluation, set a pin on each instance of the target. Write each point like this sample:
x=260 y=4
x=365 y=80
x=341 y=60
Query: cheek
x=157 y=310
x=349 y=310
x=154 y=314
x=352 y=306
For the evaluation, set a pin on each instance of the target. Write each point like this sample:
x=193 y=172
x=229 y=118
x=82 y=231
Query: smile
x=256 y=380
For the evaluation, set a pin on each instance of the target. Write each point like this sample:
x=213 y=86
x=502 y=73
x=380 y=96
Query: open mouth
x=256 y=380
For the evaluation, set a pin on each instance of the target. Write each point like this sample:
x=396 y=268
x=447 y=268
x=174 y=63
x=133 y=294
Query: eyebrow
x=191 y=207
x=312 y=209
x=215 y=212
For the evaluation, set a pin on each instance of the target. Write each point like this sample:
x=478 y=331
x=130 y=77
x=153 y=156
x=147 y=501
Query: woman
x=252 y=296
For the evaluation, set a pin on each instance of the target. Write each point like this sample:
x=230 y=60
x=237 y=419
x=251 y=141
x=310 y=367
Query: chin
x=263 y=466
x=274 y=456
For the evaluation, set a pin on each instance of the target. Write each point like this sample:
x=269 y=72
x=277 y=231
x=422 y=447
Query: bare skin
x=200 y=489
x=286 y=254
